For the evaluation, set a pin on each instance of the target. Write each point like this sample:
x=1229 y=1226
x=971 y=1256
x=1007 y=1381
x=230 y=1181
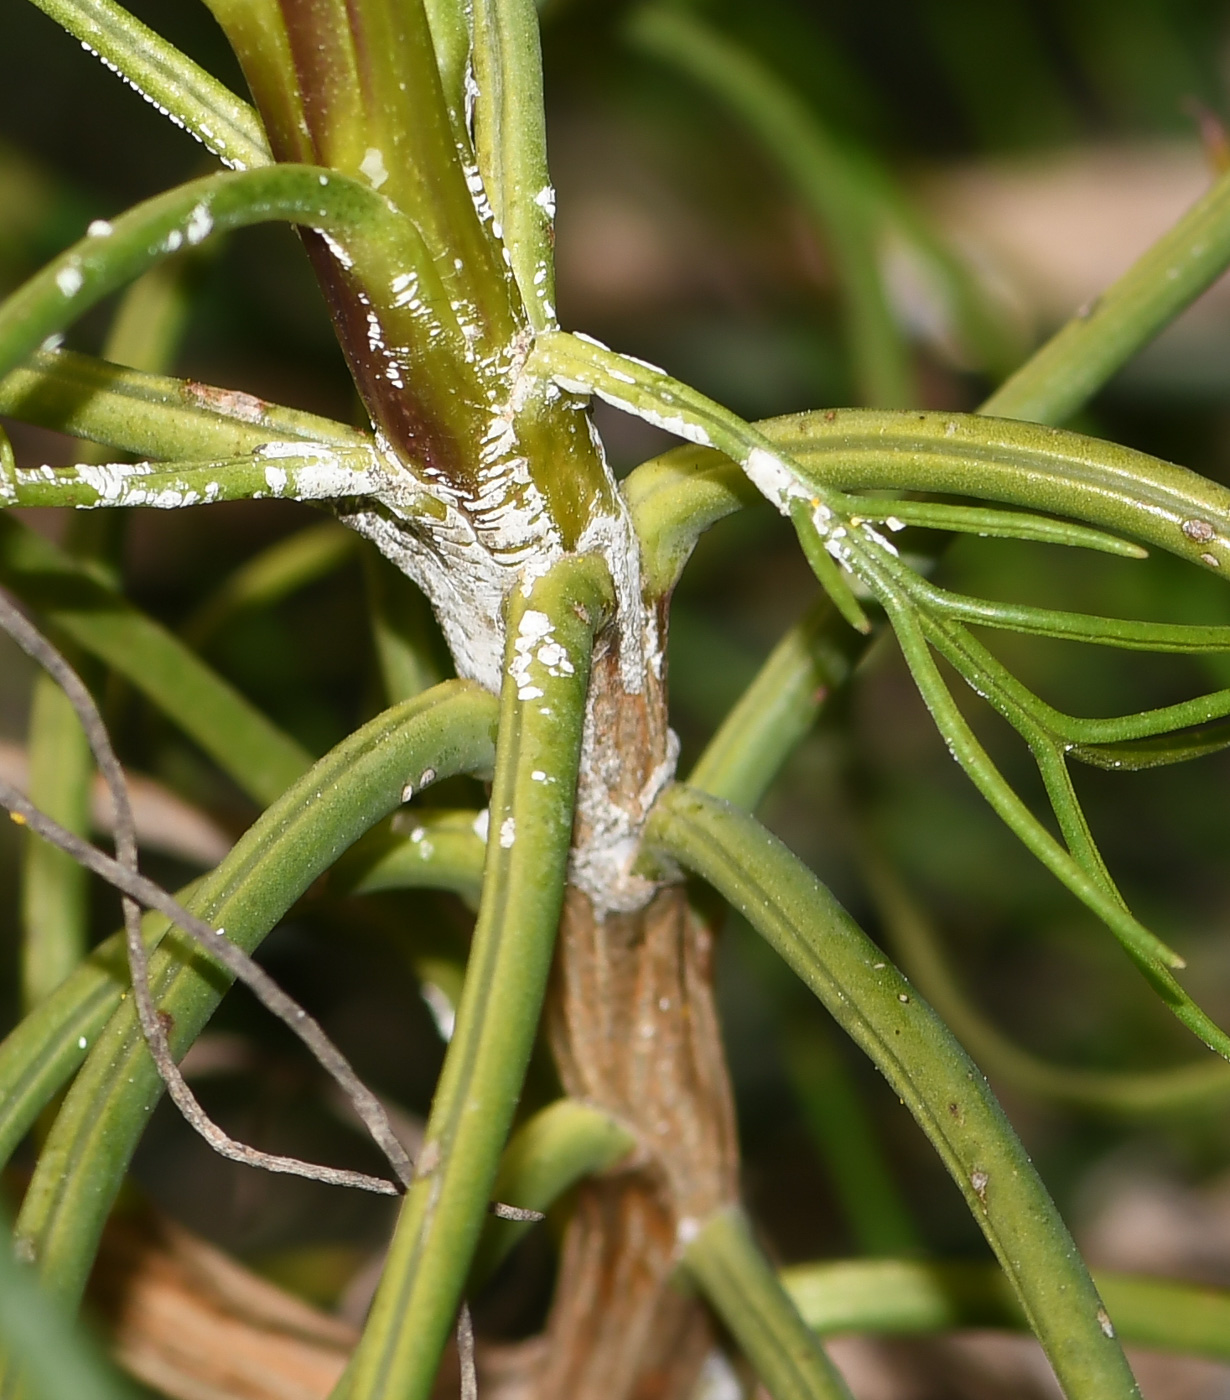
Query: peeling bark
x=635 y=1032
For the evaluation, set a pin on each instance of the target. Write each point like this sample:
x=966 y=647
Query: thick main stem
x=634 y=1031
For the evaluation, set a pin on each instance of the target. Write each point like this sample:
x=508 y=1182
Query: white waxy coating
x=69 y=279
x=372 y=167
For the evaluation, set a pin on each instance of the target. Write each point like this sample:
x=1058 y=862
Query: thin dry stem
x=138 y=891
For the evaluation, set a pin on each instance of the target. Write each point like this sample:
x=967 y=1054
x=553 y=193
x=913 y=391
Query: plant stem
x=538 y=752
x=738 y=1281
x=448 y=730
x=924 y=1064
x=904 y=1296
x=1100 y=339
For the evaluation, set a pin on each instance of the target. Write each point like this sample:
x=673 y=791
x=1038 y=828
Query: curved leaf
x=541 y=713
x=167 y=79
x=448 y=730
x=258 y=756
x=925 y=1295
x=918 y=1055
x=152 y=415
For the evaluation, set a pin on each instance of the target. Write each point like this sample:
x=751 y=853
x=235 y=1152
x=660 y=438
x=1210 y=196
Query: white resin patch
x=69 y=279
x=372 y=167
x=200 y=224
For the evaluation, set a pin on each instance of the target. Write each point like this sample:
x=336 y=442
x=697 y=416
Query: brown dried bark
x=634 y=1030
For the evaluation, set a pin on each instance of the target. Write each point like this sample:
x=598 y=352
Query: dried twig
x=519 y=1213
x=137 y=891
x=465 y=1353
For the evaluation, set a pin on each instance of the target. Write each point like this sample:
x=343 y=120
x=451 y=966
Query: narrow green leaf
x=46 y=1048
x=996 y=524
x=547 y=1155
x=1150 y=955
x=825 y=566
x=511 y=143
x=918 y=948
x=295 y=470
x=167 y=79
x=256 y=754
x=1156 y=752
x=541 y=713
x=1125 y=633
x=426 y=848
x=906 y=1296
x=447 y=731
x=1018 y=464
x=152 y=415
x=54 y=888
x=925 y=1066
x=360 y=221
x=1100 y=339
x=673 y=499
x=739 y=1283
x=267 y=578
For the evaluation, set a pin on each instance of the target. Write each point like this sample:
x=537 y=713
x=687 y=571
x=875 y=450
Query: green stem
x=739 y=1283
x=903 y=1296
x=154 y=416
x=924 y=1064
x=448 y=730
x=918 y=949
x=541 y=710
x=547 y=1155
x=1099 y=340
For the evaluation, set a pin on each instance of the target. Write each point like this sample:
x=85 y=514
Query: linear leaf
x=256 y=754
x=1117 y=1093
x=153 y=415
x=510 y=958
x=740 y=1285
x=167 y=79
x=511 y=144
x=448 y=730
x=361 y=222
x=1126 y=633
x=909 y=1296
x=997 y=524
x=547 y=1155
x=924 y=1064
x=294 y=470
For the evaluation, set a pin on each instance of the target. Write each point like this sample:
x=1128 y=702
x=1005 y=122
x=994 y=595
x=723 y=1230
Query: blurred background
x=1022 y=153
